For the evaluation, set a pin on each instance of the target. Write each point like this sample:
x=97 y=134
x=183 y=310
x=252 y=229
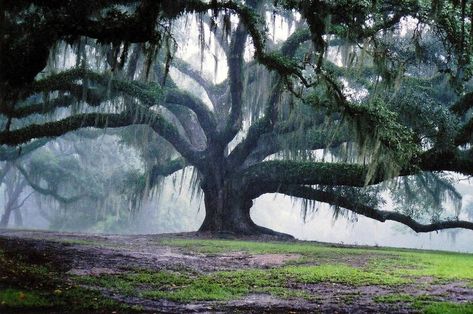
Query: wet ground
x=96 y=255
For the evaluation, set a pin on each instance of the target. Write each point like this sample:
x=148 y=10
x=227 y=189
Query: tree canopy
x=357 y=100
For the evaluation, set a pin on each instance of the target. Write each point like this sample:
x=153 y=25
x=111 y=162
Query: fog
x=174 y=210
x=323 y=227
x=176 y=203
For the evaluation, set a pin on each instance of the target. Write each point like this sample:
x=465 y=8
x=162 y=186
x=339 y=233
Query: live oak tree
x=15 y=184
x=392 y=113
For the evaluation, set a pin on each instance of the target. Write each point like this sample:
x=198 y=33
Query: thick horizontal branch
x=77 y=94
x=381 y=215
x=268 y=174
x=274 y=143
x=148 y=93
x=166 y=169
x=103 y=120
x=49 y=192
x=60 y=127
x=452 y=160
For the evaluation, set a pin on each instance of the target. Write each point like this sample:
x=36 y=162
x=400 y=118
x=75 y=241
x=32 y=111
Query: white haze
x=175 y=211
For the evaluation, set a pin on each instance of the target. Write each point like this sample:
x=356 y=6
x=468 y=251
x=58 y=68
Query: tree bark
x=227 y=207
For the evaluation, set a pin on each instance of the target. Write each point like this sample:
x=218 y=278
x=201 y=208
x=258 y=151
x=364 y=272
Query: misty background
x=174 y=209
x=176 y=205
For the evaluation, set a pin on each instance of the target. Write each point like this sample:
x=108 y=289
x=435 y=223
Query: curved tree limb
x=166 y=169
x=56 y=128
x=187 y=69
x=48 y=192
x=370 y=212
x=103 y=120
x=204 y=115
x=188 y=121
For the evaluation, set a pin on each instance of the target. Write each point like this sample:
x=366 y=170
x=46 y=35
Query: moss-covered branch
x=446 y=160
x=278 y=172
x=149 y=94
x=267 y=176
x=166 y=169
x=49 y=192
x=274 y=143
x=103 y=120
x=334 y=199
x=60 y=127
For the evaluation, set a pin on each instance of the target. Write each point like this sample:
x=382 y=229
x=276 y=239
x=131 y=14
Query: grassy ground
x=309 y=275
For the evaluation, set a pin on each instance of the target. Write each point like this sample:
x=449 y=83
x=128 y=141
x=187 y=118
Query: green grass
x=25 y=285
x=187 y=286
x=404 y=298
x=391 y=261
x=305 y=249
x=343 y=274
x=426 y=304
x=226 y=285
x=445 y=266
x=448 y=308
x=318 y=264
x=15 y=298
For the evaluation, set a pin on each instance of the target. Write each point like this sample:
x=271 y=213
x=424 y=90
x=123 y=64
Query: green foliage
x=384 y=104
x=383 y=141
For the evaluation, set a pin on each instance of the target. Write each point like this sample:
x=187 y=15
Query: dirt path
x=96 y=255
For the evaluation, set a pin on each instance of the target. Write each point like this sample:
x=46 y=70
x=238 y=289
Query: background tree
x=394 y=111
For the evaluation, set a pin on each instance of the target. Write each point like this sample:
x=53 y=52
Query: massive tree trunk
x=227 y=205
x=226 y=210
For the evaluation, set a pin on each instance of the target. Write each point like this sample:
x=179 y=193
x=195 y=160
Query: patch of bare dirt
x=84 y=254
x=259 y=260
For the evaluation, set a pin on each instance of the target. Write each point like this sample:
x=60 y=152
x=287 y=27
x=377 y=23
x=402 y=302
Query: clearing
x=54 y=272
